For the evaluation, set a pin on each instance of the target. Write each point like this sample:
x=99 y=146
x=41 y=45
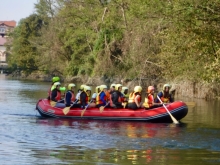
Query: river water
x=26 y=138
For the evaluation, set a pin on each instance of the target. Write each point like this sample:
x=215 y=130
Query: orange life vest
x=148 y=103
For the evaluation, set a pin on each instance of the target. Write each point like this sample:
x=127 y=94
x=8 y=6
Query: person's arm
x=115 y=99
x=102 y=97
x=171 y=98
x=153 y=102
x=83 y=99
x=54 y=95
x=160 y=94
x=136 y=101
x=68 y=99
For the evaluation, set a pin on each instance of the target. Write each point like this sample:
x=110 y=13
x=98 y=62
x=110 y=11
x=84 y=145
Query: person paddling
x=149 y=99
x=134 y=101
x=116 y=97
x=101 y=98
x=70 y=96
x=54 y=80
x=85 y=98
x=56 y=95
x=165 y=95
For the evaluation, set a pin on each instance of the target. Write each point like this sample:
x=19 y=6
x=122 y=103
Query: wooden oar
x=67 y=109
x=53 y=103
x=173 y=118
x=103 y=107
x=85 y=108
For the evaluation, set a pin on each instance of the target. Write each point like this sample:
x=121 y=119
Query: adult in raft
x=117 y=97
x=134 y=100
x=70 y=96
x=165 y=95
x=101 y=98
x=54 y=80
x=149 y=99
x=85 y=98
x=56 y=95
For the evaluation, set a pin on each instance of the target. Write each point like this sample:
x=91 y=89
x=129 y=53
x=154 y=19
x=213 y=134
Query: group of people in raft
x=115 y=97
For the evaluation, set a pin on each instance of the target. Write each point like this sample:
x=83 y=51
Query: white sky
x=16 y=9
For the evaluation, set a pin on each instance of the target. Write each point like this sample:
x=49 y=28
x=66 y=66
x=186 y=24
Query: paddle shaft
x=86 y=108
x=74 y=103
x=102 y=107
x=173 y=118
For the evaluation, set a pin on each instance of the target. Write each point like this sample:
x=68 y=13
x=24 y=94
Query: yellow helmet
x=87 y=88
x=137 y=89
x=82 y=87
x=70 y=86
x=117 y=86
x=102 y=87
x=123 y=89
x=166 y=85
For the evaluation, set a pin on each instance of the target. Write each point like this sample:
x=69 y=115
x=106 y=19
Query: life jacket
x=108 y=95
x=120 y=99
x=87 y=98
x=125 y=97
x=165 y=99
x=148 y=102
x=72 y=96
x=132 y=96
x=98 y=100
x=58 y=97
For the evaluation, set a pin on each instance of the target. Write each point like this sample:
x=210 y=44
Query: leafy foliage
x=121 y=38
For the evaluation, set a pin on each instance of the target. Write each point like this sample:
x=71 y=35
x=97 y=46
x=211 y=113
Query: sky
x=16 y=9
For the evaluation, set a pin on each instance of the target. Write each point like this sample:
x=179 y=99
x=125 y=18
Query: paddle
x=103 y=107
x=53 y=103
x=174 y=120
x=86 y=108
x=67 y=109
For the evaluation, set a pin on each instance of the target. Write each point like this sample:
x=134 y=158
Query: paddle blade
x=83 y=112
x=101 y=108
x=66 y=110
x=174 y=119
x=52 y=103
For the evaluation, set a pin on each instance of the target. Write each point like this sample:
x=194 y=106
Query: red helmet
x=150 y=89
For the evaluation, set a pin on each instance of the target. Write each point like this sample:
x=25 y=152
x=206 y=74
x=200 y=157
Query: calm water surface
x=25 y=138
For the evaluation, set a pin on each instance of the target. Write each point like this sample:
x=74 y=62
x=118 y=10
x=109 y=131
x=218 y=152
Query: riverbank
x=182 y=88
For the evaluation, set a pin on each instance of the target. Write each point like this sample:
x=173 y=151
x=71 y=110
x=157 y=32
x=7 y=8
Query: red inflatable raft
x=178 y=109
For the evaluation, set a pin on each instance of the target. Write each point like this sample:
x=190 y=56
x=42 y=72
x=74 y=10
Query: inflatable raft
x=178 y=109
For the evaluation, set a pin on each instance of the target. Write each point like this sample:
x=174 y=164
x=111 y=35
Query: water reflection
x=26 y=138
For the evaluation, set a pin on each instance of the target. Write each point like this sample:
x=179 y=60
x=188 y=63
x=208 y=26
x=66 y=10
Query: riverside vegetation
x=150 y=41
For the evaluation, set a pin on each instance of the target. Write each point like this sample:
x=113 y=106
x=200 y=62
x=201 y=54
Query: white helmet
x=87 y=88
x=70 y=86
x=56 y=84
x=102 y=87
x=124 y=88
